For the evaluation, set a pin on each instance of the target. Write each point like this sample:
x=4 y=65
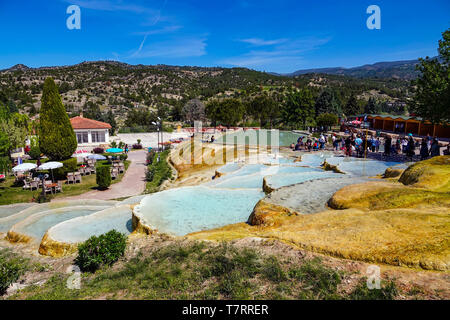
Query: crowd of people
x=360 y=144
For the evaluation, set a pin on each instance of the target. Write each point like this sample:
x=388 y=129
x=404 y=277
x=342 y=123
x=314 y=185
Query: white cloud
x=262 y=42
x=282 y=56
x=178 y=48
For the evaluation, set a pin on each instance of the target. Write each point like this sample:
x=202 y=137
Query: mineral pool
x=232 y=197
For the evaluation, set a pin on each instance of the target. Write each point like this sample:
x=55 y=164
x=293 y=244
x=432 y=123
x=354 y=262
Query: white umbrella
x=97 y=157
x=24 y=167
x=50 y=166
x=81 y=155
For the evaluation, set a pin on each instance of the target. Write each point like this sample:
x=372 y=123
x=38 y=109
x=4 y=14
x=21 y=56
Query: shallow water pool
x=37 y=225
x=189 y=209
x=82 y=228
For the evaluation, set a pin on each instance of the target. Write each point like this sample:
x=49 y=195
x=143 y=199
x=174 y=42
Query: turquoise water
x=82 y=228
x=283 y=180
x=189 y=209
x=37 y=227
x=8 y=210
x=259 y=137
x=7 y=222
x=231 y=197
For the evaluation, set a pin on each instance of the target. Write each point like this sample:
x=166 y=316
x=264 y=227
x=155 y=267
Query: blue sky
x=276 y=35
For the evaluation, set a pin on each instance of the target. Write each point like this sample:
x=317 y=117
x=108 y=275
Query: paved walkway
x=132 y=184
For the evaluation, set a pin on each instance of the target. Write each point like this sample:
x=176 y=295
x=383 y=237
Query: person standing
x=387 y=146
x=435 y=150
x=424 y=152
x=410 y=148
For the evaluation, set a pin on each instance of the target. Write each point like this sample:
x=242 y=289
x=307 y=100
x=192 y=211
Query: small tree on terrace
x=57 y=139
x=327 y=120
x=194 y=110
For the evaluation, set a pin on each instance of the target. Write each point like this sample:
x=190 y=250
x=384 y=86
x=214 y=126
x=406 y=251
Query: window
x=98 y=136
x=82 y=137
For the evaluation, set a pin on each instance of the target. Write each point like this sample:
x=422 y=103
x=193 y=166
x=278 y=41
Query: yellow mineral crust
x=50 y=247
x=403 y=223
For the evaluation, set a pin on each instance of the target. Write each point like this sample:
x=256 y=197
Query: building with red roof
x=90 y=132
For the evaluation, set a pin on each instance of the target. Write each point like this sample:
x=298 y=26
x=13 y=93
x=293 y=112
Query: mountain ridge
x=402 y=69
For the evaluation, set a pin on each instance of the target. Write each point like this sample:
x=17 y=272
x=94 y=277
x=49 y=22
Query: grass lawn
x=10 y=193
x=204 y=271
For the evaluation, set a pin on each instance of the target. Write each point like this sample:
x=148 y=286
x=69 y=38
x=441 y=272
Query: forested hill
x=396 y=69
x=120 y=87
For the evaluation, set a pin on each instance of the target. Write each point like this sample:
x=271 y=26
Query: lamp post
x=157 y=129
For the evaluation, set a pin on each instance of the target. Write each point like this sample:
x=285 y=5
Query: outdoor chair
x=121 y=167
x=34 y=185
x=26 y=185
x=92 y=169
x=47 y=188
x=77 y=178
x=70 y=178
x=86 y=171
x=59 y=187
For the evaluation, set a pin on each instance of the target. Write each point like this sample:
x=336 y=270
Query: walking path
x=132 y=183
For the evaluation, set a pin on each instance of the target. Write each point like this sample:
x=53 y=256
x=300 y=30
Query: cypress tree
x=57 y=139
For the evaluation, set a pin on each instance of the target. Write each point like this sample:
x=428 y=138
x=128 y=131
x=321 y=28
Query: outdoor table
x=52 y=186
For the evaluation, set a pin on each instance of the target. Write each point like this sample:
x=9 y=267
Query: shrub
x=34 y=153
x=113 y=144
x=69 y=165
x=103 y=177
x=123 y=156
x=137 y=146
x=9 y=273
x=102 y=250
x=157 y=172
x=11 y=268
x=5 y=164
x=42 y=198
x=57 y=138
x=98 y=150
x=121 y=144
x=150 y=156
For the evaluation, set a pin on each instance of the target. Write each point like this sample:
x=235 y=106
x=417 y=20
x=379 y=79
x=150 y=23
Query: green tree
x=263 y=108
x=298 y=108
x=231 y=111
x=5 y=145
x=327 y=102
x=432 y=96
x=112 y=121
x=14 y=128
x=327 y=120
x=92 y=111
x=352 y=107
x=371 y=107
x=57 y=139
x=194 y=110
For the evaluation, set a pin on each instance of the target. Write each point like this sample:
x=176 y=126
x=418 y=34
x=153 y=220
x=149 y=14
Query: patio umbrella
x=81 y=155
x=114 y=150
x=50 y=166
x=24 y=167
x=97 y=157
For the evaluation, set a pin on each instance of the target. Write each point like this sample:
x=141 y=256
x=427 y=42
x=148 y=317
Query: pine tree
x=352 y=108
x=57 y=139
